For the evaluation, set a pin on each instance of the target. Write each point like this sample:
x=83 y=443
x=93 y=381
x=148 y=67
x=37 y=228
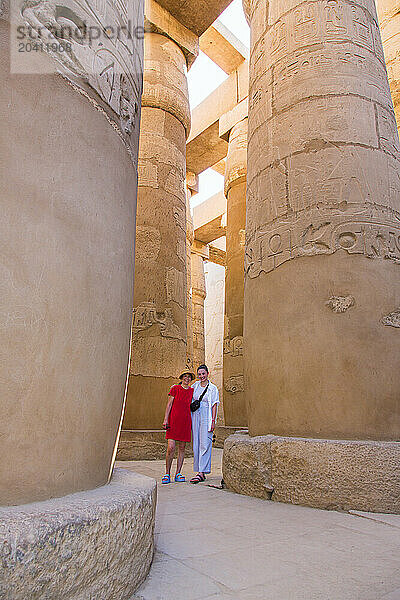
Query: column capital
x=236 y=160
x=158 y=20
x=164 y=78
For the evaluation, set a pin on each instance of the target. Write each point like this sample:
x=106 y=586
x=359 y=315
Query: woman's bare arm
x=168 y=411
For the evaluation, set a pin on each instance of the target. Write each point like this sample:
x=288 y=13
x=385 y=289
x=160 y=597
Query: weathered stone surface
x=335 y=474
x=144 y=445
x=329 y=474
x=322 y=224
x=223 y=431
x=159 y=349
x=246 y=467
x=95 y=544
x=66 y=266
x=235 y=409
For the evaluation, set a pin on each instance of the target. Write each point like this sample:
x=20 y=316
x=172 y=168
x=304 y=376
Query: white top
x=211 y=397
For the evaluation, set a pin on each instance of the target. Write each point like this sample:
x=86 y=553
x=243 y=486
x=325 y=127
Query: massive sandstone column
x=159 y=315
x=68 y=178
x=389 y=22
x=198 y=297
x=322 y=288
x=322 y=295
x=235 y=410
x=189 y=303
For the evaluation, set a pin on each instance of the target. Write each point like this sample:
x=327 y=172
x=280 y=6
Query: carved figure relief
x=234 y=384
x=104 y=53
x=392 y=319
x=234 y=346
x=339 y=304
x=146 y=315
x=356 y=233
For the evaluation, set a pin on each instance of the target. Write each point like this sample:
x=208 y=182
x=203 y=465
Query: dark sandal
x=198 y=478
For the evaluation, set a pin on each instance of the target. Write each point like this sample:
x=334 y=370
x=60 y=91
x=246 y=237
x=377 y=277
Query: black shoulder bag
x=195 y=405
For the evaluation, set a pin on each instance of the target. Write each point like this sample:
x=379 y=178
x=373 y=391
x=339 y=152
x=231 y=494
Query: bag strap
x=203 y=393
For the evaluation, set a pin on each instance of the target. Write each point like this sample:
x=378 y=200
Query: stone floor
x=212 y=544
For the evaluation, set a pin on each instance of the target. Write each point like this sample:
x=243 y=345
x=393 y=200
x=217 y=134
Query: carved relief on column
x=389 y=22
x=323 y=220
x=198 y=297
x=235 y=190
x=159 y=343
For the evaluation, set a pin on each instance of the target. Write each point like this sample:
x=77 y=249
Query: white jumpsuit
x=201 y=425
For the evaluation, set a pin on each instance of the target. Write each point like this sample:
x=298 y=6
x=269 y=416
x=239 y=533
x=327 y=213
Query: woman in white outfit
x=203 y=423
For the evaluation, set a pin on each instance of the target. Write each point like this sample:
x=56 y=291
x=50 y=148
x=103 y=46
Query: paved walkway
x=215 y=545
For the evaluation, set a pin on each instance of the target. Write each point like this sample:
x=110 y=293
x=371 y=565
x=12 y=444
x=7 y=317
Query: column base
x=144 y=444
x=224 y=431
x=330 y=474
x=93 y=544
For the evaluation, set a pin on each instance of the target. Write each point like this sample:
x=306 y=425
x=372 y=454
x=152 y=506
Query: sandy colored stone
x=198 y=297
x=389 y=22
x=96 y=544
x=214 y=327
x=68 y=194
x=322 y=225
x=144 y=445
x=159 y=340
x=246 y=467
x=337 y=475
x=329 y=474
x=235 y=409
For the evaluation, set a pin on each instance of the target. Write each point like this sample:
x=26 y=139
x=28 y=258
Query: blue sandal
x=179 y=478
x=166 y=479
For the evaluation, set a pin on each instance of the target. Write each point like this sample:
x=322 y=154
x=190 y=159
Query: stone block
x=330 y=474
x=92 y=544
x=246 y=467
x=336 y=474
x=144 y=445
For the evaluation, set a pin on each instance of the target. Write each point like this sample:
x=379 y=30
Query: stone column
x=68 y=177
x=159 y=315
x=198 y=297
x=322 y=289
x=389 y=22
x=189 y=303
x=235 y=410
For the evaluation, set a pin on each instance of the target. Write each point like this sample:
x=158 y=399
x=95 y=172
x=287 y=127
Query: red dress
x=180 y=420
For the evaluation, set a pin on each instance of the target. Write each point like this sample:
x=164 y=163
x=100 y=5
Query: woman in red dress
x=178 y=423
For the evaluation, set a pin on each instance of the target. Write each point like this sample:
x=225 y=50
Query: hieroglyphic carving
x=234 y=384
x=175 y=285
x=308 y=234
x=104 y=51
x=234 y=346
x=392 y=319
x=180 y=217
x=181 y=250
x=339 y=304
x=148 y=242
x=146 y=315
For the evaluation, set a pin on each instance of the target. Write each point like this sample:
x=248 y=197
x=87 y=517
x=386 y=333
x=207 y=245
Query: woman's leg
x=170 y=456
x=195 y=439
x=181 y=456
